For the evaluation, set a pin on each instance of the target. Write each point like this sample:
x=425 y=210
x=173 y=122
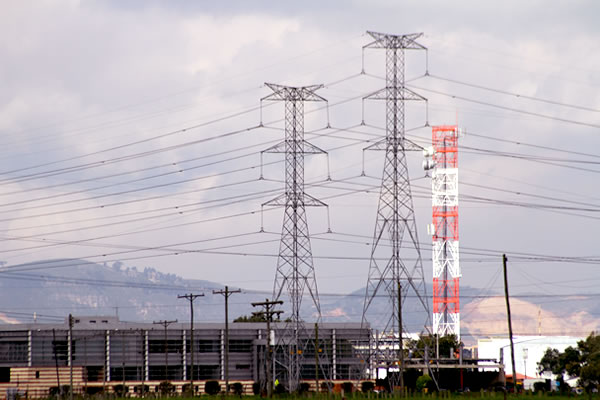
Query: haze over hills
x=83 y=288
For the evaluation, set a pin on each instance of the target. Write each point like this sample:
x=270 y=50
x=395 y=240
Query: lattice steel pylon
x=445 y=254
x=295 y=270
x=401 y=271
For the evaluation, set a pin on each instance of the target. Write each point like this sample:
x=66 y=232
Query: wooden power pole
x=165 y=324
x=268 y=314
x=226 y=293
x=510 y=332
x=191 y=297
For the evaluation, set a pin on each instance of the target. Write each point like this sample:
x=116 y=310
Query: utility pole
x=71 y=356
x=166 y=324
x=56 y=362
x=144 y=355
x=123 y=359
x=226 y=293
x=317 y=357
x=400 y=341
x=510 y=332
x=191 y=297
x=268 y=314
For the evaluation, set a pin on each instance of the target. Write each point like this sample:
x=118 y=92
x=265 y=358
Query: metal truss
x=396 y=268
x=295 y=271
x=445 y=255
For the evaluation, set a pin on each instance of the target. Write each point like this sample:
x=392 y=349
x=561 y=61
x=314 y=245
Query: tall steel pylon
x=295 y=270
x=396 y=267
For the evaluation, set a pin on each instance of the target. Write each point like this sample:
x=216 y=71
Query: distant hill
x=487 y=317
x=81 y=287
x=55 y=288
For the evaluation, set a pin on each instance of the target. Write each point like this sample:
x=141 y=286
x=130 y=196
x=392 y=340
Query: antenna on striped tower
x=442 y=160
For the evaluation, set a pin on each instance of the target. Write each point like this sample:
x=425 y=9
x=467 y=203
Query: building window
x=13 y=351
x=158 y=346
x=60 y=349
x=202 y=372
x=205 y=346
x=240 y=346
x=94 y=373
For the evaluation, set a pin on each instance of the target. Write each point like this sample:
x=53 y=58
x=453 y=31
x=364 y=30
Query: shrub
x=539 y=386
x=325 y=387
x=120 y=390
x=56 y=391
x=166 y=388
x=367 y=386
x=348 y=387
x=280 y=389
x=186 y=390
x=212 y=387
x=237 y=388
x=424 y=382
x=141 y=389
x=92 y=390
x=304 y=387
x=256 y=388
x=384 y=383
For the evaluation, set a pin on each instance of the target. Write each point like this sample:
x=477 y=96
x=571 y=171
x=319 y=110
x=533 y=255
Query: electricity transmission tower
x=396 y=267
x=295 y=270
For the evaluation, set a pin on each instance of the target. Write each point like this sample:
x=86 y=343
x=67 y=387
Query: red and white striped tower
x=446 y=268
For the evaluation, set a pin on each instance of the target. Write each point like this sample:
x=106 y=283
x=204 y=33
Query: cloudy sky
x=131 y=131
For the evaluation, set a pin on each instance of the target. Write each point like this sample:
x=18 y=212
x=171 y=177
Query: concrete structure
x=104 y=352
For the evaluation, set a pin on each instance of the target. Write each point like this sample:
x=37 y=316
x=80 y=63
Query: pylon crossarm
x=291 y=93
x=387 y=41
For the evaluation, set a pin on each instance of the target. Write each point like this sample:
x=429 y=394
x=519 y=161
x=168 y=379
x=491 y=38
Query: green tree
x=582 y=362
x=251 y=318
x=589 y=366
x=212 y=387
x=446 y=344
x=237 y=388
x=166 y=388
x=425 y=382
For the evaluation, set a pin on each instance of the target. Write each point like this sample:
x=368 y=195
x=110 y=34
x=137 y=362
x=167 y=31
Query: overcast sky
x=107 y=109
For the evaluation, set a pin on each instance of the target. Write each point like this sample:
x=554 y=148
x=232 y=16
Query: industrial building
x=103 y=352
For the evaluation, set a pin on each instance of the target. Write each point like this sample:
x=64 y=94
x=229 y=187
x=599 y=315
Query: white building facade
x=529 y=350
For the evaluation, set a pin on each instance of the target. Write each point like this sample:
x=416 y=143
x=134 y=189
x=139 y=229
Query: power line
x=516 y=110
x=113 y=235
x=522 y=96
x=161 y=136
